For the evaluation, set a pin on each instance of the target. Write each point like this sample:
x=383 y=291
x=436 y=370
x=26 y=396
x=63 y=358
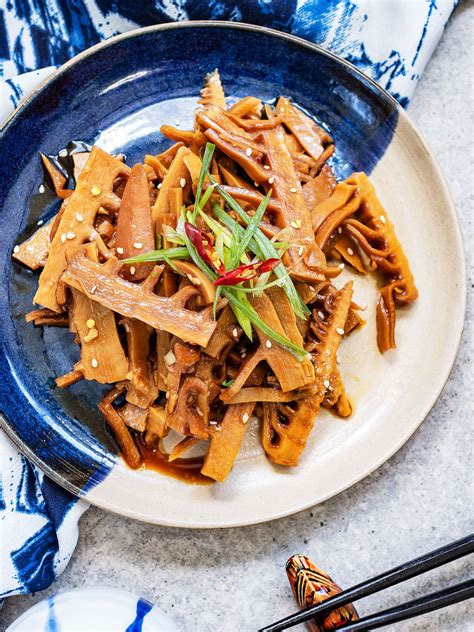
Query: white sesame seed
x=41 y=188
x=341 y=266
x=248 y=151
x=382 y=219
x=16 y=249
x=167 y=395
x=271 y=179
x=266 y=167
x=63 y=237
x=79 y=217
x=300 y=250
x=182 y=182
x=339 y=230
x=327 y=383
x=255 y=183
x=296 y=224
x=132 y=270
x=212 y=423
x=93 y=289
x=217 y=427
x=243 y=354
x=321 y=315
x=71 y=235
x=159 y=186
x=120 y=250
x=363 y=306
x=90 y=323
x=63 y=153
x=138 y=245
x=170 y=358
x=40 y=222
x=340 y=331
x=245 y=417
x=94 y=363
x=177 y=123
x=293 y=190
x=268 y=344
x=350 y=252
x=235 y=332
x=95 y=190
x=199 y=411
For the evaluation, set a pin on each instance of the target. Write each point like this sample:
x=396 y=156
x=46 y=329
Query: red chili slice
x=235 y=276
x=203 y=244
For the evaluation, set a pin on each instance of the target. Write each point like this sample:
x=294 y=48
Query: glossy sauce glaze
x=186 y=470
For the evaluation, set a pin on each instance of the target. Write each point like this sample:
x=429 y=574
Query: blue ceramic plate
x=117 y=94
x=95 y=610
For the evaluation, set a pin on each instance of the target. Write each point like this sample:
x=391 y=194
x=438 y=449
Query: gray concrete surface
x=227 y=581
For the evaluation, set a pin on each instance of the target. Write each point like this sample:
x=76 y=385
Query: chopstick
x=418 y=566
x=415 y=608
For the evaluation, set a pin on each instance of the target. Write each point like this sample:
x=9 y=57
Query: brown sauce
x=187 y=470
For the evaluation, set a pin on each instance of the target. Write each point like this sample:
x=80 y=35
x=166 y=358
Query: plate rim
x=460 y=313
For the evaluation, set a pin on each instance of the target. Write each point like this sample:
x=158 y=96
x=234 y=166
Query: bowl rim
x=89 y=494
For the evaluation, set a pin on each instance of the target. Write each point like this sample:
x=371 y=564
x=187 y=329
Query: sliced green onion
x=251 y=228
x=266 y=251
x=159 y=255
x=206 y=161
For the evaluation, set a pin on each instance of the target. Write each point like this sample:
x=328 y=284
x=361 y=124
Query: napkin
x=391 y=41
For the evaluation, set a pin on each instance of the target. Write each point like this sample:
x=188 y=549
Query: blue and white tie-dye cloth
x=389 y=40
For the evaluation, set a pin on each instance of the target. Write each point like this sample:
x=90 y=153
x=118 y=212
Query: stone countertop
x=233 y=580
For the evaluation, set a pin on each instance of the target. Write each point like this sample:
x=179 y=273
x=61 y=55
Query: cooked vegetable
x=199 y=284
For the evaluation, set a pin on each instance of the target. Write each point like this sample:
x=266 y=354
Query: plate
x=98 y=609
x=117 y=94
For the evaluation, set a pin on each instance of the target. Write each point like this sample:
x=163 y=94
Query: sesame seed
x=40 y=222
x=159 y=186
x=350 y=252
x=217 y=427
x=79 y=217
x=170 y=358
x=363 y=306
x=235 y=332
x=41 y=188
x=327 y=383
x=382 y=219
x=63 y=237
x=177 y=123
x=71 y=235
x=120 y=250
x=243 y=354
x=132 y=270
x=93 y=333
x=255 y=183
x=321 y=315
x=266 y=167
x=90 y=323
x=212 y=423
x=167 y=395
x=16 y=249
x=93 y=289
x=63 y=153
x=138 y=245
x=268 y=344
x=95 y=190
x=339 y=230
x=245 y=417
x=293 y=190
x=296 y=224
x=94 y=363
x=182 y=182
x=341 y=266
x=248 y=151
x=300 y=250
x=199 y=411
x=340 y=331
x=271 y=179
